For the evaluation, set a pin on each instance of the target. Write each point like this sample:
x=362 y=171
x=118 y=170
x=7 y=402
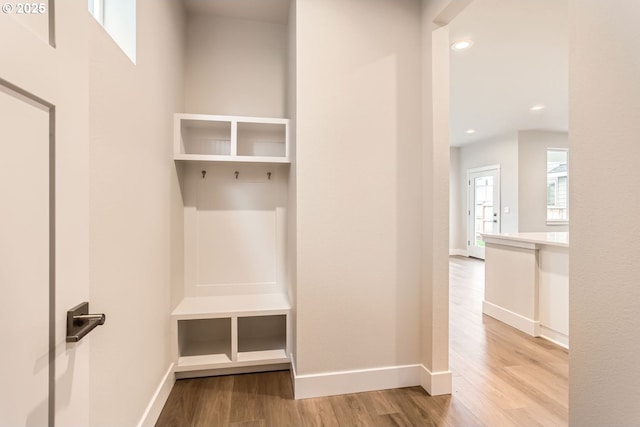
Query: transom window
x=118 y=18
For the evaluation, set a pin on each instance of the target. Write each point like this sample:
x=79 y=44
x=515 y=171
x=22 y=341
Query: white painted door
x=25 y=258
x=44 y=220
x=483 y=207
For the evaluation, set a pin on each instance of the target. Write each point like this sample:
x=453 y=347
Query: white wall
x=292 y=196
x=604 y=96
x=457 y=204
x=434 y=289
x=135 y=210
x=234 y=228
x=236 y=67
x=500 y=151
x=359 y=194
x=532 y=178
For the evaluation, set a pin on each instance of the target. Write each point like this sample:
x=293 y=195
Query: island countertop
x=552 y=238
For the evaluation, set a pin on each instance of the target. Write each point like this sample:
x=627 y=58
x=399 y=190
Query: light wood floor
x=501 y=377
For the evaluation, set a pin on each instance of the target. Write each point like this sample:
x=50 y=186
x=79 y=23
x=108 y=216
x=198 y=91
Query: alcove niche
x=232 y=150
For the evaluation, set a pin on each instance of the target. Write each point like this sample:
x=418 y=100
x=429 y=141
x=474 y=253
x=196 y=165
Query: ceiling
x=519 y=58
x=275 y=11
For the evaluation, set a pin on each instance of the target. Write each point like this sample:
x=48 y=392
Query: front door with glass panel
x=483 y=208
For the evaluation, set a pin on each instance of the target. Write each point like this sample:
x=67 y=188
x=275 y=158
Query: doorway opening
x=483 y=195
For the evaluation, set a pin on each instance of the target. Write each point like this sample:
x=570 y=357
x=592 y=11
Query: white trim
x=483 y=169
x=498 y=240
x=293 y=374
x=362 y=380
x=524 y=324
x=555 y=337
x=435 y=383
x=154 y=408
x=557 y=222
x=356 y=381
x=251 y=369
x=458 y=252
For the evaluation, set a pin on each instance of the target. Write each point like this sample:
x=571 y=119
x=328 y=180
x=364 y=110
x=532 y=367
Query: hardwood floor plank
x=254 y=423
x=246 y=403
x=391 y=420
x=180 y=407
x=317 y=413
x=350 y=410
x=214 y=402
x=278 y=405
x=501 y=377
x=379 y=403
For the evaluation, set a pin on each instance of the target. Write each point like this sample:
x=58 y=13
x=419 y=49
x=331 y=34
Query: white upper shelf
x=215 y=138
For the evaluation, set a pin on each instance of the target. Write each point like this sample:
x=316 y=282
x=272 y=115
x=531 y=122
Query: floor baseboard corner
x=435 y=383
x=159 y=398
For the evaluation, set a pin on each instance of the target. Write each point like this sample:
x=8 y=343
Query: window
x=557 y=186
x=118 y=18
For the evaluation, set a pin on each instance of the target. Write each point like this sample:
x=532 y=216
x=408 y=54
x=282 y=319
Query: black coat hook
x=204 y=173
x=269 y=175
x=237 y=173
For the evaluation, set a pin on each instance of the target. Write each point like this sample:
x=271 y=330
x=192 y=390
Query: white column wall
x=434 y=321
x=358 y=158
x=604 y=125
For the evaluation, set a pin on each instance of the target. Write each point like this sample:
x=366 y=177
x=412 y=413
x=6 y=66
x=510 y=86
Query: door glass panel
x=483 y=208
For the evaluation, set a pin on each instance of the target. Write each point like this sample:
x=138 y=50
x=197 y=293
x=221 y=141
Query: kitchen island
x=527 y=282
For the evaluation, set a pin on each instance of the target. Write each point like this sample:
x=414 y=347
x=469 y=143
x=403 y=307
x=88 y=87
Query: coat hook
x=237 y=173
x=203 y=174
x=269 y=175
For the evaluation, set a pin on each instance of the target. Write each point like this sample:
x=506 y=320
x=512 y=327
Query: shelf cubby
x=262 y=139
x=215 y=138
x=232 y=331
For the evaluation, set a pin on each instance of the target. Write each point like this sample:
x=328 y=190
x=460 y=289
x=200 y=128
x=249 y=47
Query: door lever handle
x=80 y=322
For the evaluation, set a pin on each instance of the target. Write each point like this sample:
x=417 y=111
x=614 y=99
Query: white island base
x=527 y=283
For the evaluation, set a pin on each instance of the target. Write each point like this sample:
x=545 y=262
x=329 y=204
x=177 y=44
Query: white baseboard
x=435 y=383
x=152 y=412
x=554 y=336
x=356 y=381
x=526 y=325
x=458 y=252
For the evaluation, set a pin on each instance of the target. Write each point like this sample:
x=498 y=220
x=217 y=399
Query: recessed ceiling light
x=462 y=44
x=537 y=107
x=470 y=131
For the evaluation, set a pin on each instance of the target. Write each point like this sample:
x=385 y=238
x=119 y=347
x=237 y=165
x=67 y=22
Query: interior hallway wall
x=236 y=66
x=604 y=123
x=135 y=210
x=359 y=194
x=532 y=178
